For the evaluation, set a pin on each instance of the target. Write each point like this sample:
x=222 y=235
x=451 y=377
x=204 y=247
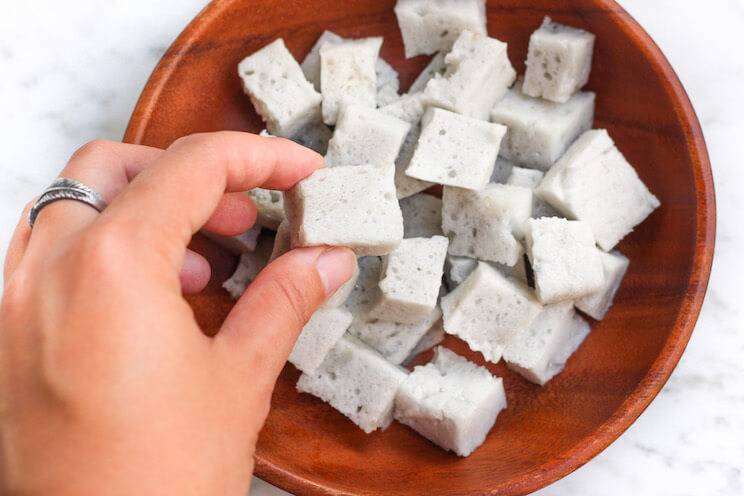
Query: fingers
x=103 y=166
x=172 y=199
x=262 y=327
x=18 y=244
x=195 y=273
x=235 y=214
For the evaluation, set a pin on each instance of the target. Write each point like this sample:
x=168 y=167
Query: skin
x=107 y=384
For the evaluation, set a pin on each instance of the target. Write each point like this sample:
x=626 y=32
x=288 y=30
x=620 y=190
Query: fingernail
x=335 y=267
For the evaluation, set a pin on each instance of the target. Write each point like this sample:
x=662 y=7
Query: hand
x=107 y=384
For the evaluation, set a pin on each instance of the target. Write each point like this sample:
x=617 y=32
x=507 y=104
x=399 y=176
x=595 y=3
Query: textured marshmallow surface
x=347 y=75
x=237 y=244
x=482 y=224
x=282 y=96
x=435 y=66
x=388 y=83
x=365 y=135
x=455 y=150
x=429 y=26
x=410 y=280
x=311 y=63
x=559 y=60
x=564 y=259
x=539 y=131
x=478 y=75
x=451 y=401
x=270 y=207
x=409 y=108
x=393 y=340
x=487 y=310
x=594 y=183
x=358 y=382
x=596 y=304
x=319 y=335
x=541 y=352
x=346 y=206
x=250 y=264
x=422 y=216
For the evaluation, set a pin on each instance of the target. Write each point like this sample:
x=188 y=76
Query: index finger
x=173 y=198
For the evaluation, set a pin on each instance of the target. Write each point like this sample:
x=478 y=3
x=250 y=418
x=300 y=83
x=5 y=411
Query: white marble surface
x=72 y=71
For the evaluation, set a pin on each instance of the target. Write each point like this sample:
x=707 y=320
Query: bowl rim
x=662 y=367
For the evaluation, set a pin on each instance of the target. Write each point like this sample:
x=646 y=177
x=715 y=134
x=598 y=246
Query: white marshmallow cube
x=596 y=304
x=347 y=75
x=451 y=401
x=483 y=224
x=594 y=183
x=541 y=131
x=410 y=280
x=488 y=309
x=564 y=259
x=393 y=340
x=422 y=216
x=346 y=206
x=559 y=60
x=530 y=178
x=478 y=75
x=365 y=135
x=319 y=335
x=282 y=96
x=455 y=150
x=541 y=352
x=358 y=382
x=429 y=26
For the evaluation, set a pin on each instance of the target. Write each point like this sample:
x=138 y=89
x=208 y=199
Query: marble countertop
x=72 y=71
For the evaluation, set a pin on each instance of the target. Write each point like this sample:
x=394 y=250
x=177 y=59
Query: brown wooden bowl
x=306 y=447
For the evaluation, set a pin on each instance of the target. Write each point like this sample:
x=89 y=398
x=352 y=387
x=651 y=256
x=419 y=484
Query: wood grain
x=545 y=433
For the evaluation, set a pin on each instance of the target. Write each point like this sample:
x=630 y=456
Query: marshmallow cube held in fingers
x=594 y=183
x=410 y=280
x=365 y=135
x=358 y=382
x=353 y=206
x=559 y=60
x=564 y=258
x=451 y=401
x=541 y=352
x=347 y=75
x=488 y=309
x=431 y=26
x=455 y=150
x=276 y=85
x=539 y=131
x=478 y=75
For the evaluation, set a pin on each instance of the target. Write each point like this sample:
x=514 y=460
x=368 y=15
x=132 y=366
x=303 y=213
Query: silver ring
x=66 y=189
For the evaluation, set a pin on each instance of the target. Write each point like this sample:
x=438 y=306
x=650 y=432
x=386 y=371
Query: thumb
x=262 y=327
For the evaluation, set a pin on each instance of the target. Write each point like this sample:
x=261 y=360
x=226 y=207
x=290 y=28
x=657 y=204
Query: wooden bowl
x=306 y=447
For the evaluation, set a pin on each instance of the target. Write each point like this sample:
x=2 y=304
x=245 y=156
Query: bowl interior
x=545 y=432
